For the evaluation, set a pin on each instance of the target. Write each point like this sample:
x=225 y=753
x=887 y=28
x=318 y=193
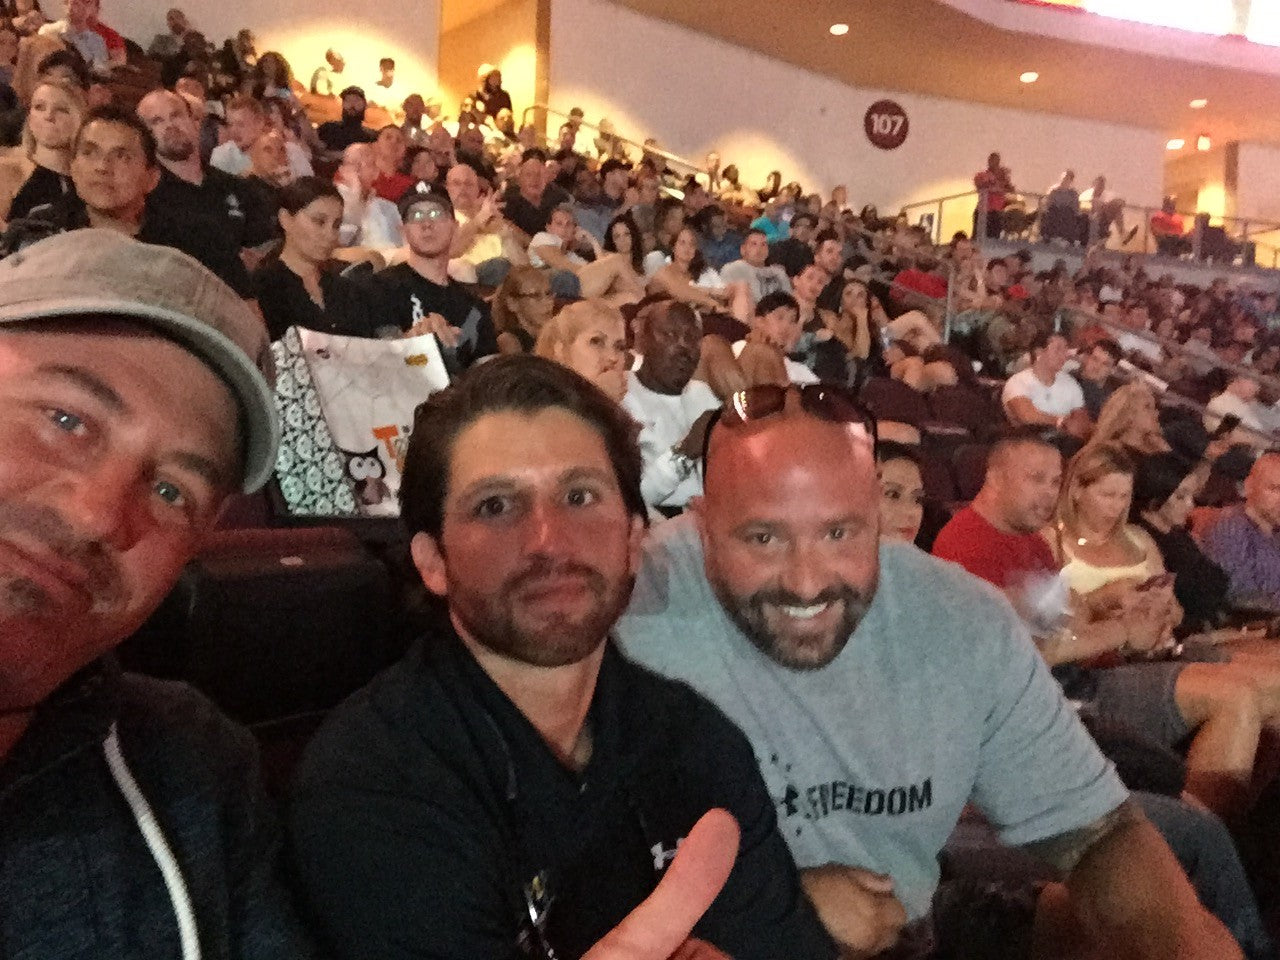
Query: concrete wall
x=695 y=93
x=504 y=37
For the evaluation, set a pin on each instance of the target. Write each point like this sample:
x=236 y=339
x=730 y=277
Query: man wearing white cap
x=133 y=399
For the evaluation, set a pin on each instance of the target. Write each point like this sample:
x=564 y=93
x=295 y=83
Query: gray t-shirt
x=938 y=699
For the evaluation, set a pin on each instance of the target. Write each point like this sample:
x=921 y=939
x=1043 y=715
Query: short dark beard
x=493 y=622
x=176 y=154
x=748 y=615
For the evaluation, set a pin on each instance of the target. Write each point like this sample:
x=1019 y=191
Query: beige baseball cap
x=104 y=273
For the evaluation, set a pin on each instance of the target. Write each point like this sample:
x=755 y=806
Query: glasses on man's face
x=829 y=402
x=426 y=215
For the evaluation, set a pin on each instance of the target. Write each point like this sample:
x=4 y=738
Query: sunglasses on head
x=826 y=401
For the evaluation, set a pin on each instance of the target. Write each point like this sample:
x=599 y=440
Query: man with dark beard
x=514 y=787
x=883 y=691
x=191 y=200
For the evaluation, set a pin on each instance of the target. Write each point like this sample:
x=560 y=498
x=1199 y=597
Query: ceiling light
x=839 y=29
x=1176 y=144
x=1199 y=104
x=1203 y=142
x=1029 y=77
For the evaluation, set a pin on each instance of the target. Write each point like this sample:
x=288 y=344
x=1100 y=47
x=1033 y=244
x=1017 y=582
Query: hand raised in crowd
x=858 y=908
x=491 y=209
x=694 y=441
x=447 y=334
x=659 y=928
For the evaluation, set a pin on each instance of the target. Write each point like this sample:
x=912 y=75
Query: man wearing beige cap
x=133 y=399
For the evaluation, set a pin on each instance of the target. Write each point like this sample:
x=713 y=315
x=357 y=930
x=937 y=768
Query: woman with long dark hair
x=687 y=278
x=297 y=287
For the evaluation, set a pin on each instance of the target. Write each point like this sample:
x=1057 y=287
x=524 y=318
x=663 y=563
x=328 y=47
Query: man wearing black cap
x=337 y=135
x=133 y=400
x=418 y=297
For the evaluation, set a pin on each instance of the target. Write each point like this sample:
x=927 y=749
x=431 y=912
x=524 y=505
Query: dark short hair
x=1042 y=339
x=304 y=191
x=824 y=235
x=534 y=153
x=386 y=62
x=1013 y=437
x=800 y=218
x=772 y=301
x=611 y=165
x=1110 y=348
x=521 y=383
x=890 y=450
x=114 y=113
x=754 y=230
x=69 y=58
x=1157 y=476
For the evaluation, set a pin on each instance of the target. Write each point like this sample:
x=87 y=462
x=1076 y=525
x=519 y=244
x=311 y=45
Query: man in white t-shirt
x=1240 y=399
x=553 y=247
x=883 y=691
x=1043 y=394
x=671 y=407
x=751 y=269
x=246 y=122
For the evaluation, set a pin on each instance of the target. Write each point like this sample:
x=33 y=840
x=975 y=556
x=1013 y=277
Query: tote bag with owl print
x=346 y=406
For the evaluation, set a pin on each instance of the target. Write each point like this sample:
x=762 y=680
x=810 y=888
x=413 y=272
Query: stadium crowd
x=954 y=581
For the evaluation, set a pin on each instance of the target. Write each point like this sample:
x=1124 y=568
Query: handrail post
x=951 y=298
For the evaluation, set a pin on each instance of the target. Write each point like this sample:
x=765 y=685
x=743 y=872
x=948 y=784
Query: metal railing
x=680 y=165
x=1032 y=217
x=1173 y=348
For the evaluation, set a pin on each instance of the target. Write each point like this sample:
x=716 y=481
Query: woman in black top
x=1163 y=495
x=522 y=306
x=491 y=98
x=57 y=110
x=296 y=288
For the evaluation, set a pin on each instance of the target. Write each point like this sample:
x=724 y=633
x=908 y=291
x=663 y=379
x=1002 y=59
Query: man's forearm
x=1130 y=893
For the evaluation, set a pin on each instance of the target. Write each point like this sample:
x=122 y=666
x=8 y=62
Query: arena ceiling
x=927 y=47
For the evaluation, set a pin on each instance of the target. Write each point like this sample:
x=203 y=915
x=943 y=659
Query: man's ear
x=635 y=542
x=429 y=562
x=698 y=507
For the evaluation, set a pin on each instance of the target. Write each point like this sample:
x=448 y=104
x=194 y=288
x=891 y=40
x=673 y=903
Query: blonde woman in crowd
x=1128 y=419
x=1115 y=571
x=41 y=171
x=590 y=338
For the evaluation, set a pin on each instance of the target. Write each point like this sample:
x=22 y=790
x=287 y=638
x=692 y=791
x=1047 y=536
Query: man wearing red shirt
x=995 y=184
x=997 y=537
x=1169 y=229
x=919 y=278
x=388 y=152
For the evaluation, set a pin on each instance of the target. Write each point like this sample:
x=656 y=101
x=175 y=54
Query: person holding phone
x=1164 y=490
x=1115 y=572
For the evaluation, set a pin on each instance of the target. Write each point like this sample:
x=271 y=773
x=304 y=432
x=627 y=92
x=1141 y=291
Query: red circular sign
x=886 y=124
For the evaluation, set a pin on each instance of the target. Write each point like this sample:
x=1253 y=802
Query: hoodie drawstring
x=161 y=852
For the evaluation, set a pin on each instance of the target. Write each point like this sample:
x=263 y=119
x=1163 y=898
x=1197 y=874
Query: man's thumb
x=656 y=929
